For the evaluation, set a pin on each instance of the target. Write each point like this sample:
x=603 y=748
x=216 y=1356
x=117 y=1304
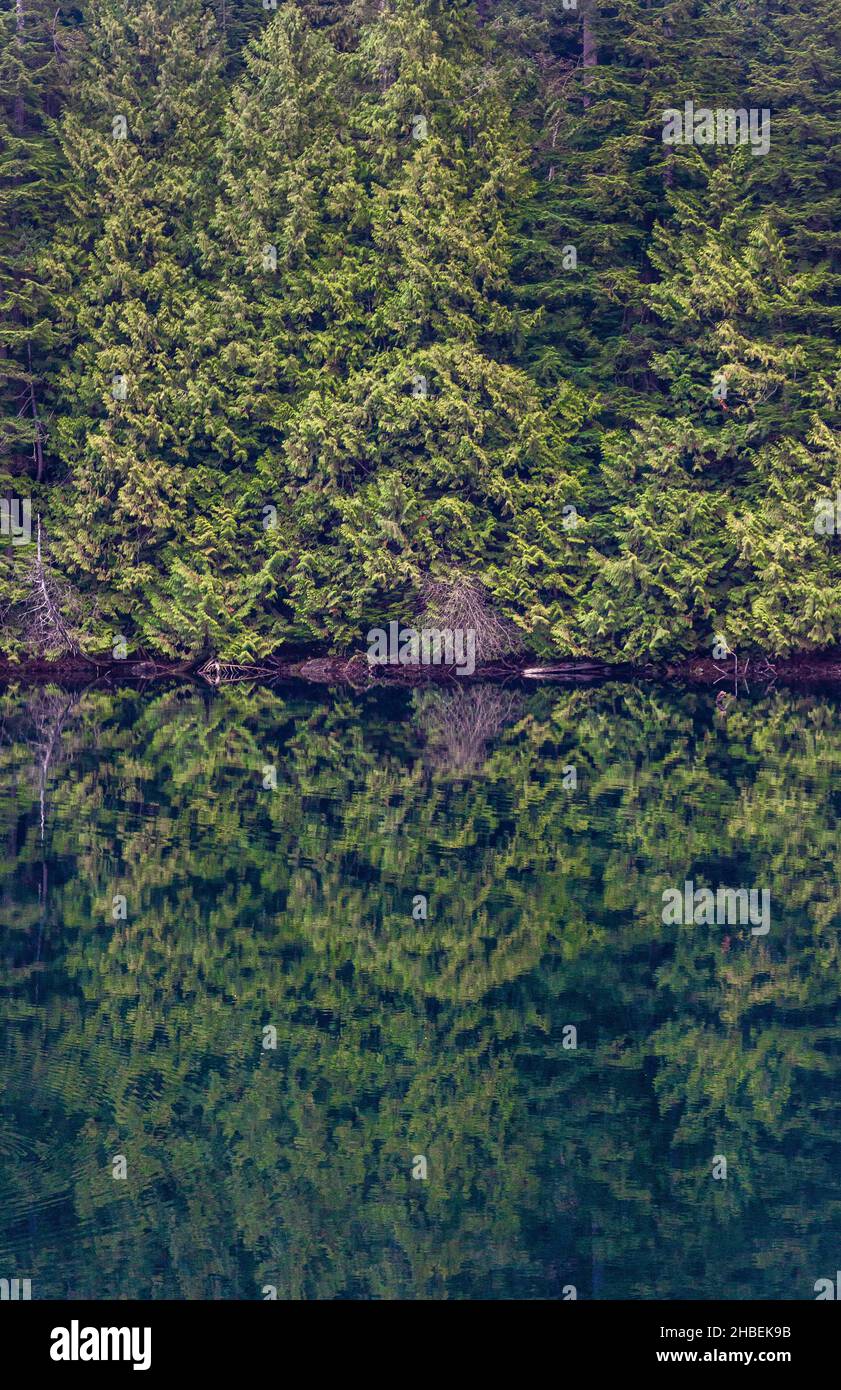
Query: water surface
x=185 y=870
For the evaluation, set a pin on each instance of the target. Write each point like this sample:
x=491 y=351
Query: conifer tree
x=317 y=307
x=794 y=69
x=34 y=57
x=428 y=452
x=787 y=594
x=286 y=266
x=742 y=386
x=604 y=174
x=139 y=147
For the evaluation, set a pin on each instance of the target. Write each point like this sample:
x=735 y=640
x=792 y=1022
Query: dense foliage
x=307 y=306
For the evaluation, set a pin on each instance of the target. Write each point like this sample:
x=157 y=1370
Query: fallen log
x=568 y=668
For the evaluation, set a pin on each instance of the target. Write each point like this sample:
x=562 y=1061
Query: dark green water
x=548 y=1166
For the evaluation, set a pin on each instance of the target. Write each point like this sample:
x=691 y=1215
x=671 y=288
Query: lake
x=370 y=995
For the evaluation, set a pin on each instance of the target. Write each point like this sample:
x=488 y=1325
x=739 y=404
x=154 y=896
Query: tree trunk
x=20 y=110
x=589 y=53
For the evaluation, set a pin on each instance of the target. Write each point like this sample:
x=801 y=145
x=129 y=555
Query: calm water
x=542 y=826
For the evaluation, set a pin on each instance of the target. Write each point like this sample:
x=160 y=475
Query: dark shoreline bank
x=355 y=672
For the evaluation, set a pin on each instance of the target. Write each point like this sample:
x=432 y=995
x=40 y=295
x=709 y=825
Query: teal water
x=542 y=827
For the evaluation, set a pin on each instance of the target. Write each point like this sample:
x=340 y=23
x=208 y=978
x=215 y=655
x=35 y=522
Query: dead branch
x=43 y=623
x=463 y=604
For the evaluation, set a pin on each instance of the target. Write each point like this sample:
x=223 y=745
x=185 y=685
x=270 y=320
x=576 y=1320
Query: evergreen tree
x=139 y=146
x=743 y=385
x=345 y=303
x=604 y=174
x=34 y=59
x=789 y=599
x=794 y=69
x=286 y=266
x=429 y=453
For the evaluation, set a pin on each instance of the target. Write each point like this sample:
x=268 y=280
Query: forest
x=313 y=314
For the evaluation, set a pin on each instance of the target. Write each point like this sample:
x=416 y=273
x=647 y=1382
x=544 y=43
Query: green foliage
x=138 y=142
x=34 y=61
x=404 y=289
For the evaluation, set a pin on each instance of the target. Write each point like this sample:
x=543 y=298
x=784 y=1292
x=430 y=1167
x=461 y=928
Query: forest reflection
x=288 y=902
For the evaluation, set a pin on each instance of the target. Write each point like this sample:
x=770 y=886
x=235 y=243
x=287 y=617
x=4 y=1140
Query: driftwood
x=227 y=672
x=568 y=669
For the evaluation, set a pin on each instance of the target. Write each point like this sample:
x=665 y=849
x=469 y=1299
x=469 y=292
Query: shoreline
x=356 y=672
